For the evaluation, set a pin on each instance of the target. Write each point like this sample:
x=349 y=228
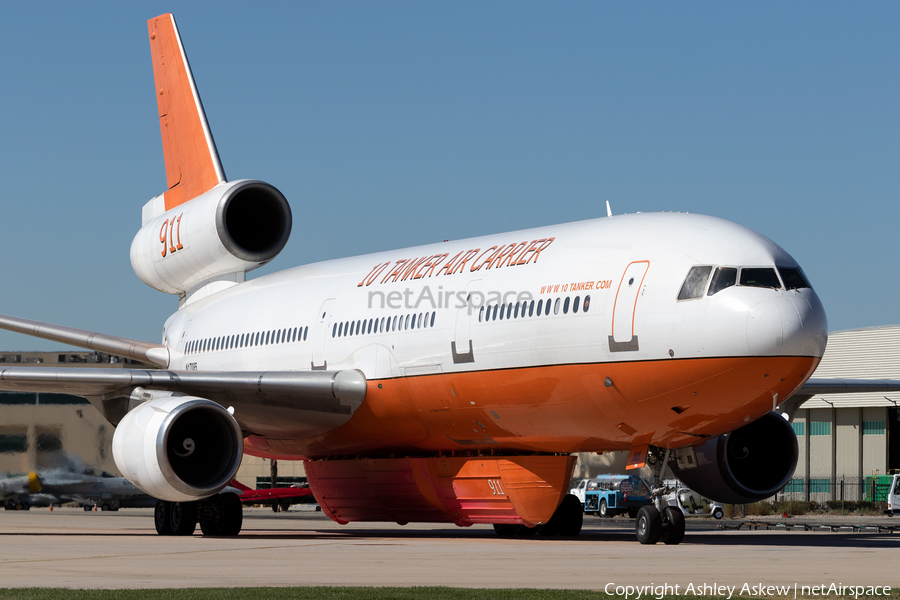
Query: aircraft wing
x=814 y=387
x=156 y=354
x=289 y=403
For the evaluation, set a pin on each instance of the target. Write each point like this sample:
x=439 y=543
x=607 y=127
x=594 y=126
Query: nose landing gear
x=659 y=521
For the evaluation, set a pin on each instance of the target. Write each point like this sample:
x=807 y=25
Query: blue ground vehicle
x=611 y=495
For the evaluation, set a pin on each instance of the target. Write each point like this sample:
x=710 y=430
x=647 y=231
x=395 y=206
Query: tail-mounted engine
x=178 y=448
x=233 y=228
x=747 y=465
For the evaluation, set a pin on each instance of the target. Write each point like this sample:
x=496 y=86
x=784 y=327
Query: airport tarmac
x=77 y=549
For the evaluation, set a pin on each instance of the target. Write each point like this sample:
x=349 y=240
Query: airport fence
x=827 y=490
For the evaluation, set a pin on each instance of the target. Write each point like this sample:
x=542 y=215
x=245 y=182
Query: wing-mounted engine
x=747 y=465
x=178 y=448
x=233 y=228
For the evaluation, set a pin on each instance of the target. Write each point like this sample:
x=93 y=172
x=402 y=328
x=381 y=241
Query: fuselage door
x=461 y=346
x=320 y=332
x=624 y=338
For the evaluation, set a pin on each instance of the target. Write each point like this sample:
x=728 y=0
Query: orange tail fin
x=192 y=161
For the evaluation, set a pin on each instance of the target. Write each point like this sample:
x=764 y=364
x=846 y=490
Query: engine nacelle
x=235 y=227
x=178 y=448
x=747 y=465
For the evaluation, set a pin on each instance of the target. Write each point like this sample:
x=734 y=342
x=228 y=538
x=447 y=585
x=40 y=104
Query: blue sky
x=391 y=124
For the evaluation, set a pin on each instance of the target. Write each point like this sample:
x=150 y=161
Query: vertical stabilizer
x=192 y=161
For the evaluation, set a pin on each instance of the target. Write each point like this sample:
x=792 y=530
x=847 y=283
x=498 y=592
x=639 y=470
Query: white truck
x=893 y=499
x=690 y=502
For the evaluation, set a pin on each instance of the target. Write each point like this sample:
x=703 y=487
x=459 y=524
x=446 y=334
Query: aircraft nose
x=791 y=324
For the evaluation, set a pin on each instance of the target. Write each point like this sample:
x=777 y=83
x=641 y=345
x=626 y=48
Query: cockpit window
x=760 y=277
x=695 y=283
x=724 y=277
x=793 y=278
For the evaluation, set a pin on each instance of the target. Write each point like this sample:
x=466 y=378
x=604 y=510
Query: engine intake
x=178 y=448
x=747 y=465
x=254 y=222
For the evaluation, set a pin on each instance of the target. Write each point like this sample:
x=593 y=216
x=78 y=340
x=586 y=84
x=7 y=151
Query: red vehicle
x=279 y=496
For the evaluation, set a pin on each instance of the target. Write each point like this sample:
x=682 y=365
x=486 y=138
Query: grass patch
x=342 y=593
x=300 y=593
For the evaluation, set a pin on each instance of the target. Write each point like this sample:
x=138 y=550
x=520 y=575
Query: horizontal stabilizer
x=155 y=354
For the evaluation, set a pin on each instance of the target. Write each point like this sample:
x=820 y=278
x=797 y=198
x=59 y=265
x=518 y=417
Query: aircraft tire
x=524 y=531
x=160 y=517
x=648 y=525
x=228 y=516
x=572 y=516
x=183 y=518
x=672 y=526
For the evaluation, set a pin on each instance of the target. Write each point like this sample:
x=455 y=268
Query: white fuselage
x=362 y=313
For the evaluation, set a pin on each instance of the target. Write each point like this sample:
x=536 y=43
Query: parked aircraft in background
x=15 y=489
x=72 y=481
x=450 y=382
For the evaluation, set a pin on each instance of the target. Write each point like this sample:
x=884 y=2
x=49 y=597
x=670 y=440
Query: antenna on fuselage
x=608 y=209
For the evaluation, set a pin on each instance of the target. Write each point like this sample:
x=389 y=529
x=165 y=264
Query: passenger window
x=341 y=330
x=566 y=306
x=406 y=323
x=547 y=307
x=502 y=310
x=793 y=278
x=587 y=303
x=695 y=283
x=305 y=331
x=494 y=318
x=576 y=304
x=333 y=330
x=762 y=278
x=540 y=306
x=508 y=310
x=432 y=318
x=556 y=307
x=480 y=314
x=517 y=310
x=723 y=278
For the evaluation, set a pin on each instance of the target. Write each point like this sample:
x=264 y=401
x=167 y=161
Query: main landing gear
x=566 y=521
x=658 y=521
x=221 y=514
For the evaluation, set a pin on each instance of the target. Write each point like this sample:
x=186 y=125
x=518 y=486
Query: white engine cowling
x=178 y=448
x=747 y=465
x=235 y=227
